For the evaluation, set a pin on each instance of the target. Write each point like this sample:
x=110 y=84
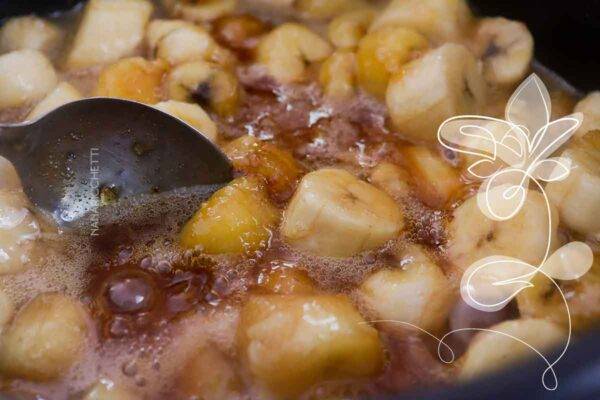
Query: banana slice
x=440 y=20
x=134 y=79
x=438 y=180
x=338 y=75
x=106 y=389
x=46 y=337
x=289 y=343
x=191 y=114
x=590 y=107
x=335 y=214
x=29 y=32
x=543 y=300
x=9 y=178
x=346 y=30
x=325 y=9
x=472 y=236
x=506 y=48
x=19 y=230
x=491 y=351
x=416 y=291
x=207 y=84
x=108 y=31
x=392 y=179
x=7 y=309
x=62 y=94
x=200 y=11
x=25 y=76
x=578 y=196
x=287 y=49
x=383 y=53
x=444 y=83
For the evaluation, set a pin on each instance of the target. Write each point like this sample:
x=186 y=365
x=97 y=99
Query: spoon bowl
x=91 y=152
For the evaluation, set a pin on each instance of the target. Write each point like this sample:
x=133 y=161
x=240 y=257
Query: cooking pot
x=566 y=35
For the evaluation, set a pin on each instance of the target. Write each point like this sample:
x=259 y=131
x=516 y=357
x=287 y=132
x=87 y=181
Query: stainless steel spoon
x=88 y=152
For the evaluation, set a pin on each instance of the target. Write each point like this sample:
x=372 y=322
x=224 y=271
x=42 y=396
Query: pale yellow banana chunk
x=415 y=291
x=108 y=31
x=62 y=94
x=45 y=339
x=439 y=20
x=335 y=214
x=200 y=11
x=285 y=51
x=29 y=32
x=7 y=309
x=578 y=196
x=9 y=179
x=472 y=236
x=444 y=83
x=506 y=48
x=25 y=76
x=491 y=351
x=191 y=114
x=106 y=389
x=19 y=230
x=346 y=30
x=290 y=342
x=338 y=75
x=590 y=107
x=392 y=179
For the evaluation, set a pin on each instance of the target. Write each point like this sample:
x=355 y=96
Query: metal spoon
x=97 y=149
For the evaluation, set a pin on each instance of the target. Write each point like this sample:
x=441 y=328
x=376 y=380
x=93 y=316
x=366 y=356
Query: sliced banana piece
x=444 y=83
x=506 y=48
x=543 y=300
x=133 y=78
x=472 y=236
x=191 y=114
x=45 y=339
x=7 y=309
x=335 y=214
x=385 y=52
x=438 y=180
x=19 y=230
x=491 y=351
x=159 y=28
x=416 y=291
x=325 y=9
x=287 y=49
x=590 y=107
x=95 y=44
x=207 y=84
x=440 y=20
x=578 y=196
x=25 y=76
x=62 y=94
x=200 y=11
x=346 y=30
x=9 y=178
x=392 y=179
x=29 y=32
x=338 y=75
x=289 y=343
x=106 y=389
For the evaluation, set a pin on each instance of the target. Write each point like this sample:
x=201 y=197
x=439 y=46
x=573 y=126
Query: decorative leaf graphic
x=502 y=196
x=552 y=169
x=548 y=139
x=529 y=106
x=571 y=261
x=490 y=283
